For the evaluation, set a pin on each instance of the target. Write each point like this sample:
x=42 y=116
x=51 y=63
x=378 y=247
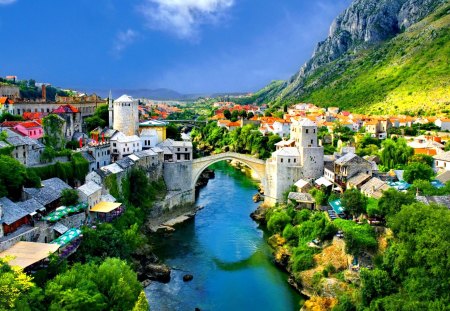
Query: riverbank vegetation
x=101 y=275
x=211 y=139
x=402 y=263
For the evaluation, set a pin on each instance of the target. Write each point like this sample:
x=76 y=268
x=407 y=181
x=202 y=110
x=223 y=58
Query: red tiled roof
x=30 y=124
x=10 y=123
x=66 y=109
x=32 y=115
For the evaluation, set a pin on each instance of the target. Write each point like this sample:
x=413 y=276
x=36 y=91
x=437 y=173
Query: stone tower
x=110 y=110
x=126 y=115
x=288 y=164
x=304 y=133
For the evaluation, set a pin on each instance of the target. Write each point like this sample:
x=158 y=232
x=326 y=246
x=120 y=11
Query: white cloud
x=123 y=40
x=5 y=2
x=183 y=17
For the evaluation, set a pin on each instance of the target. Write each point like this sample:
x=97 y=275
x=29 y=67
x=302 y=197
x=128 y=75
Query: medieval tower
x=126 y=115
x=302 y=159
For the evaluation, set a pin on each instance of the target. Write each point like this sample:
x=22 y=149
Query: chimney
x=44 y=92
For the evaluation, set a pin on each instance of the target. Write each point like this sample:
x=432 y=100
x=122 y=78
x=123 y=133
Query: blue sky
x=191 y=46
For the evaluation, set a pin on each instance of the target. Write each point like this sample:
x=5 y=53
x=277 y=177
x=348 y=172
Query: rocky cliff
x=365 y=25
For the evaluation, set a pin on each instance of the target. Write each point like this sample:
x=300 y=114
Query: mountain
x=380 y=56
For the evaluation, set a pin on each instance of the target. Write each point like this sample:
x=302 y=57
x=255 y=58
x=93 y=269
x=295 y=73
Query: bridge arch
x=257 y=165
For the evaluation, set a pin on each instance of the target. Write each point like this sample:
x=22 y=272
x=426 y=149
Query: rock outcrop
x=364 y=23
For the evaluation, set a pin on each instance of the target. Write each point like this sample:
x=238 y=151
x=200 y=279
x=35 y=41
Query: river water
x=225 y=251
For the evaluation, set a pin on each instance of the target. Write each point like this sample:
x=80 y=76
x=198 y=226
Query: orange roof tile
x=430 y=152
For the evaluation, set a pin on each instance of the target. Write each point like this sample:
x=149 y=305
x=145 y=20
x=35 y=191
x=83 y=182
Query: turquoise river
x=225 y=251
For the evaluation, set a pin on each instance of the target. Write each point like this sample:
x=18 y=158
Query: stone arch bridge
x=257 y=165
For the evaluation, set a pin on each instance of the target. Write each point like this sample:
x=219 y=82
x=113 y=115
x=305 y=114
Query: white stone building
x=122 y=145
x=126 y=115
x=90 y=193
x=176 y=151
x=289 y=164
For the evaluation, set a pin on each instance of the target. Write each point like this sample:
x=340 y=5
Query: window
x=306 y=131
x=178 y=156
x=185 y=149
x=187 y=156
x=289 y=160
x=281 y=160
x=312 y=142
x=178 y=149
x=314 y=131
x=295 y=160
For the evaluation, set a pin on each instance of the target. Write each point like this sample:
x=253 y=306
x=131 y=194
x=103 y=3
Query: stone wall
x=74 y=221
x=178 y=176
x=312 y=162
x=173 y=200
x=26 y=236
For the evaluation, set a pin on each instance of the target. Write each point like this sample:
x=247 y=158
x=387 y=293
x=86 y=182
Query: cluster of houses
x=377 y=126
x=39 y=221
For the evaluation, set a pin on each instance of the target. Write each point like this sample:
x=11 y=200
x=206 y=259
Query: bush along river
x=225 y=252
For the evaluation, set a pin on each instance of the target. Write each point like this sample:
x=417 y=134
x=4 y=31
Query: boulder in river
x=187 y=277
x=158 y=272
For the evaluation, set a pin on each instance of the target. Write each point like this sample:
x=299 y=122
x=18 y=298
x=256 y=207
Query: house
x=176 y=151
x=303 y=186
x=374 y=188
x=122 y=145
x=32 y=129
x=442 y=161
x=349 y=166
x=427 y=145
x=72 y=117
x=49 y=195
x=154 y=129
x=12 y=216
x=90 y=193
x=358 y=181
x=285 y=143
x=25 y=150
x=303 y=200
x=444 y=177
x=443 y=200
x=443 y=123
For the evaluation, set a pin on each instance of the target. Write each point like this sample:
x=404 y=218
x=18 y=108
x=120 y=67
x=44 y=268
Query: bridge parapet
x=257 y=165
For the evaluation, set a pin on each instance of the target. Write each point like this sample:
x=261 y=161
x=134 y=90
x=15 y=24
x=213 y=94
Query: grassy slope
x=410 y=72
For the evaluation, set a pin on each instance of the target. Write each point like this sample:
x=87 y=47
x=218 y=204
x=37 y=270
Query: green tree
x=53 y=129
x=99 y=119
x=15 y=285
x=141 y=303
x=395 y=153
x=354 y=202
x=375 y=283
x=227 y=114
x=422 y=158
x=10 y=117
x=112 y=285
x=69 y=197
x=392 y=201
x=278 y=220
x=12 y=177
x=417 y=170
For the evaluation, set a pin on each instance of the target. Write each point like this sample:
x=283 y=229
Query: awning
x=63 y=211
x=322 y=181
x=337 y=206
x=105 y=207
x=67 y=237
x=25 y=254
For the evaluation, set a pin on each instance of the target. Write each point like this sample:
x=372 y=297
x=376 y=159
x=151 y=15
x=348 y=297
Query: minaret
x=110 y=110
